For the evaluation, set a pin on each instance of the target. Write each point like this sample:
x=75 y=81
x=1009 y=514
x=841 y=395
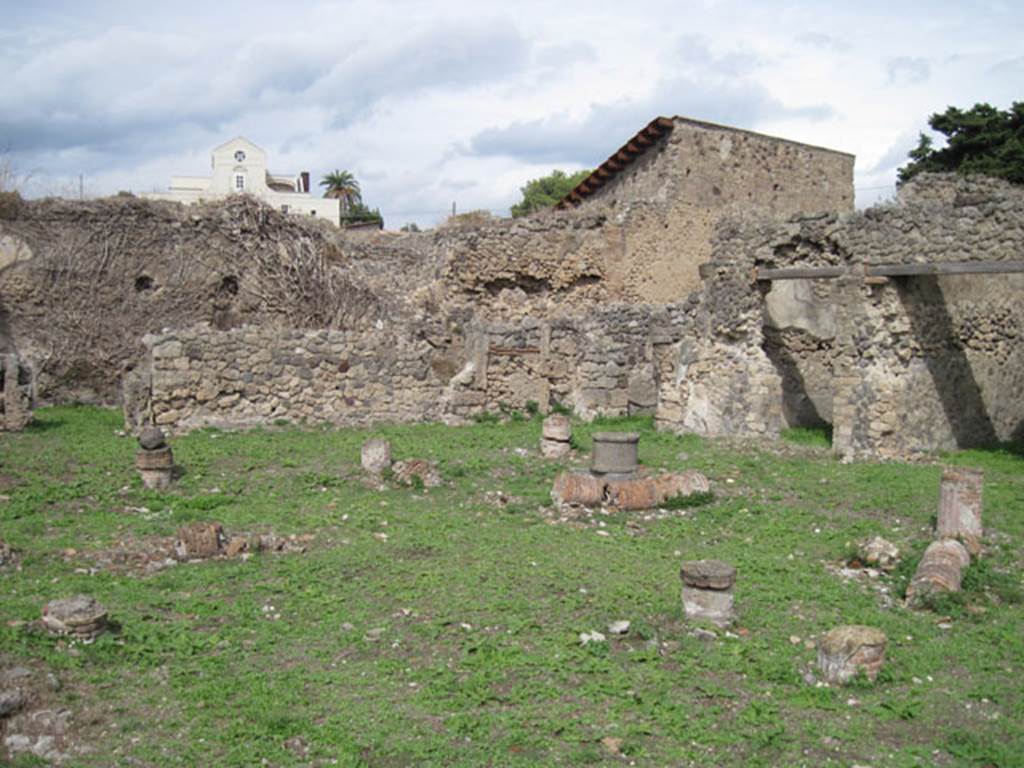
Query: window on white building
x=239 y=182
x=284 y=209
x=312 y=213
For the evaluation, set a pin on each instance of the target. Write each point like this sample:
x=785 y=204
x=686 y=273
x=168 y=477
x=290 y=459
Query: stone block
x=151 y=438
x=557 y=427
x=845 y=651
x=376 y=455
x=554 y=449
x=713 y=605
x=940 y=570
x=673 y=484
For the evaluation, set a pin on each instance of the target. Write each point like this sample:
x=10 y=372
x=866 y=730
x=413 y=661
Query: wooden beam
x=945 y=268
x=895 y=270
x=800 y=273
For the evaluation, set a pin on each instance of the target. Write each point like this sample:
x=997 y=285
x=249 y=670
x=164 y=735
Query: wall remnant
x=912 y=363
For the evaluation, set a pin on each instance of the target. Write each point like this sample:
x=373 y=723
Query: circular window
x=239 y=155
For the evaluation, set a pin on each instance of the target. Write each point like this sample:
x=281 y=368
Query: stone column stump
x=615 y=453
x=960 y=507
x=154 y=461
x=556 y=434
x=81 y=617
x=849 y=649
x=708 y=591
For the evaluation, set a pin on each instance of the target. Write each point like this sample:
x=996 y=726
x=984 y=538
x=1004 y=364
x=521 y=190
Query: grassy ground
x=454 y=639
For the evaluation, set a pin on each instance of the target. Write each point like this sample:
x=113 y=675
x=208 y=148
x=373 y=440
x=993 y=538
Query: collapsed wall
x=897 y=364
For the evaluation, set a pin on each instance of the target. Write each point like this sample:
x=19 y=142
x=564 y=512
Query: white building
x=240 y=167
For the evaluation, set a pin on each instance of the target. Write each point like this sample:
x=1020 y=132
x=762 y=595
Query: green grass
x=463 y=648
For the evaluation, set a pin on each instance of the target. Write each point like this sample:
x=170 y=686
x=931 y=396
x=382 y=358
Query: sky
x=435 y=103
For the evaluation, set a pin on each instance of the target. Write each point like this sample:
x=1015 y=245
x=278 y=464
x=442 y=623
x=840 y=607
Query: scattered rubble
x=847 y=650
x=426 y=471
x=878 y=553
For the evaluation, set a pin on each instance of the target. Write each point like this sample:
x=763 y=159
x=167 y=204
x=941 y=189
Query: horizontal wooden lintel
x=895 y=270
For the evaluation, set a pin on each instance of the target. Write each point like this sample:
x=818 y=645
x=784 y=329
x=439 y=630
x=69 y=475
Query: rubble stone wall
x=897 y=365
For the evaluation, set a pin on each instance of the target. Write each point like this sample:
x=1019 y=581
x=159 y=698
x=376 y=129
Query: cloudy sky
x=434 y=102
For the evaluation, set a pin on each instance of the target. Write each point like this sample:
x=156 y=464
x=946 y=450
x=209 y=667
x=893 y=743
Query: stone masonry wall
x=598 y=363
x=668 y=202
x=913 y=363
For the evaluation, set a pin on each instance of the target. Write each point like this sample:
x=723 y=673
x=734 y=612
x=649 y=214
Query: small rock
x=152 y=438
x=10 y=702
x=18 y=742
x=618 y=628
x=704 y=634
x=794 y=640
x=591 y=637
x=613 y=745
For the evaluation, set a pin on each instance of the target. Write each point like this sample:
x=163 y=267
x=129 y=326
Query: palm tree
x=343 y=186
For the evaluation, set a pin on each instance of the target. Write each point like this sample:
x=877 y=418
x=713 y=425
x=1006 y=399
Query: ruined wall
x=668 y=202
x=606 y=362
x=912 y=363
x=82 y=282
x=200 y=376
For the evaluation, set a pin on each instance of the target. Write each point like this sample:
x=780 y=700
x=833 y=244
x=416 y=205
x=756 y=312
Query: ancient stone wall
x=598 y=363
x=667 y=202
x=898 y=365
x=82 y=282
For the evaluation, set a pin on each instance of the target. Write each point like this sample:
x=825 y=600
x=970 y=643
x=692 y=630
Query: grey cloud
x=560 y=139
x=904 y=70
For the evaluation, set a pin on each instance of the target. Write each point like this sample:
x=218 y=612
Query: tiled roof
x=644 y=139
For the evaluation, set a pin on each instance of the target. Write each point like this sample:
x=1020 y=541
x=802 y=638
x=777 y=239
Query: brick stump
x=556 y=434
x=708 y=591
x=198 y=541
x=81 y=617
x=850 y=649
x=154 y=460
x=960 y=507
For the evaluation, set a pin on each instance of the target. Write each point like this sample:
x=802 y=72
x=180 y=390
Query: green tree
x=343 y=186
x=982 y=140
x=546 y=191
x=359 y=213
